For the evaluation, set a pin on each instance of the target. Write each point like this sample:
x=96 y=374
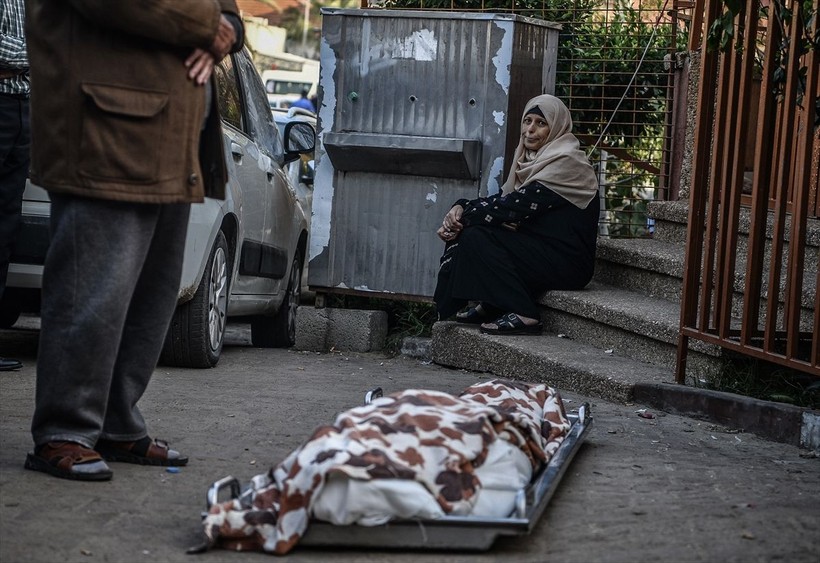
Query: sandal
x=479 y=314
x=512 y=324
x=144 y=451
x=69 y=460
x=472 y=316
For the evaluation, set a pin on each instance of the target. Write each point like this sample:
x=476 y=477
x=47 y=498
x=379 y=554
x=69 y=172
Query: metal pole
x=305 y=26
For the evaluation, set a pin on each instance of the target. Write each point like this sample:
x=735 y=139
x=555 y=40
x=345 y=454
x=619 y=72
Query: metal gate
x=778 y=318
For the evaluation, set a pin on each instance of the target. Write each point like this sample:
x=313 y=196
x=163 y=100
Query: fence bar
x=815 y=352
x=697 y=200
x=814 y=67
x=696 y=29
x=724 y=283
x=742 y=67
x=761 y=187
x=715 y=222
x=800 y=199
x=785 y=179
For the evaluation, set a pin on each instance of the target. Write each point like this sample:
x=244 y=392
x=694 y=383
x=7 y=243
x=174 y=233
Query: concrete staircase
x=618 y=333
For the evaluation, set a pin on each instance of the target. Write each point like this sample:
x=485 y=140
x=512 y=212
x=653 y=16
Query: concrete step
x=671 y=219
x=651 y=267
x=655 y=268
x=627 y=323
x=560 y=362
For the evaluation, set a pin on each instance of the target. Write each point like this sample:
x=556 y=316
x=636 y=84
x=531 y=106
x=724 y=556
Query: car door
x=281 y=229
x=254 y=200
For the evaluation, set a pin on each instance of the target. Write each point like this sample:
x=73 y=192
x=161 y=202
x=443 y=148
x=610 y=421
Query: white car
x=244 y=255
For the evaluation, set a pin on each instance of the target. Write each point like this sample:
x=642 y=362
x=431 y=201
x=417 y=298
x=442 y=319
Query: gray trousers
x=110 y=288
x=14 y=160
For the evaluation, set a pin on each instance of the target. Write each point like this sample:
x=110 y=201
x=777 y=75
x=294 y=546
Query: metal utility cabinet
x=417 y=110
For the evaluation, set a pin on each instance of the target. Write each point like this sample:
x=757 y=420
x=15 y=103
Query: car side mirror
x=300 y=138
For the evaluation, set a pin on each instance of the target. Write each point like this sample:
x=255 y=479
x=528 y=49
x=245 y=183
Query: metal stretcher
x=463 y=533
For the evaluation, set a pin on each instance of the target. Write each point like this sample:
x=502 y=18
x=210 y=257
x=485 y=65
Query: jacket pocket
x=122 y=133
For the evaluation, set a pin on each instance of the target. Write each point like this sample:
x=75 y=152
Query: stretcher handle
x=212 y=497
x=374 y=393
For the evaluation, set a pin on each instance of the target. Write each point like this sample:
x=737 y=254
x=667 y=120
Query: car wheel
x=197 y=330
x=279 y=331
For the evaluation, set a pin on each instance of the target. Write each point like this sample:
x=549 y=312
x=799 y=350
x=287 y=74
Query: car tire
x=197 y=329
x=279 y=330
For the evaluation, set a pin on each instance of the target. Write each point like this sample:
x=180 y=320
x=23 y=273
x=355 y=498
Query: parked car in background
x=244 y=255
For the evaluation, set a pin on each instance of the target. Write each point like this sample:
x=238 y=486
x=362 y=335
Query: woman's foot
x=473 y=315
x=478 y=314
x=513 y=324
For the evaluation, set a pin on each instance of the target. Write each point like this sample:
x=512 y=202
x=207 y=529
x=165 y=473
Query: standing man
x=304 y=102
x=125 y=136
x=14 y=135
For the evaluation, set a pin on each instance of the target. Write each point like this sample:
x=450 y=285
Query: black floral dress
x=514 y=247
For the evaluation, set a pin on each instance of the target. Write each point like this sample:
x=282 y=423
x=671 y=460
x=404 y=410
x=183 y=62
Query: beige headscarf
x=560 y=164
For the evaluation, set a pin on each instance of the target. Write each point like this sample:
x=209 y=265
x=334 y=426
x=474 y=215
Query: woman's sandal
x=472 y=316
x=144 y=451
x=512 y=324
x=69 y=460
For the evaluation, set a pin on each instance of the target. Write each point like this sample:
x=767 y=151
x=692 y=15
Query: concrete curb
x=774 y=421
x=351 y=330
x=572 y=366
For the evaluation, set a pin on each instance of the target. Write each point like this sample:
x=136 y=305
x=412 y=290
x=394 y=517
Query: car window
x=261 y=127
x=228 y=98
x=286 y=87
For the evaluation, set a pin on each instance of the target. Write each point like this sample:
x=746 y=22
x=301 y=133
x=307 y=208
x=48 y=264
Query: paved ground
x=668 y=488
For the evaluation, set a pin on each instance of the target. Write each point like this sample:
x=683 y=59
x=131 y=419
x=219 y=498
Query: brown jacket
x=113 y=113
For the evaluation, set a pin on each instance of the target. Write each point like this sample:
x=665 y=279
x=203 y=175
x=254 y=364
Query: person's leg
x=14 y=162
x=485 y=271
x=149 y=315
x=446 y=303
x=95 y=258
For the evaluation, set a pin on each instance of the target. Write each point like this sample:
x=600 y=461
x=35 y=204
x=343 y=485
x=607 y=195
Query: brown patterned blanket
x=426 y=439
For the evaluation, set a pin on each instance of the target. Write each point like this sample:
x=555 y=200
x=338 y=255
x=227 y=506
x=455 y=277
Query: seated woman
x=416 y=454
x=537 y=234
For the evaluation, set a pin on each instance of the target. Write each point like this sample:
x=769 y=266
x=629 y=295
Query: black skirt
x=510 y=269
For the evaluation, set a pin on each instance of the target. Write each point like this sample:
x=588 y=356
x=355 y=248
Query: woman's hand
x=451 y=226
x=446 y=235
x=452 y=221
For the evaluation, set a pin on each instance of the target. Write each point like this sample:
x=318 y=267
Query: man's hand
x=200 y=65
x=224 y=40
